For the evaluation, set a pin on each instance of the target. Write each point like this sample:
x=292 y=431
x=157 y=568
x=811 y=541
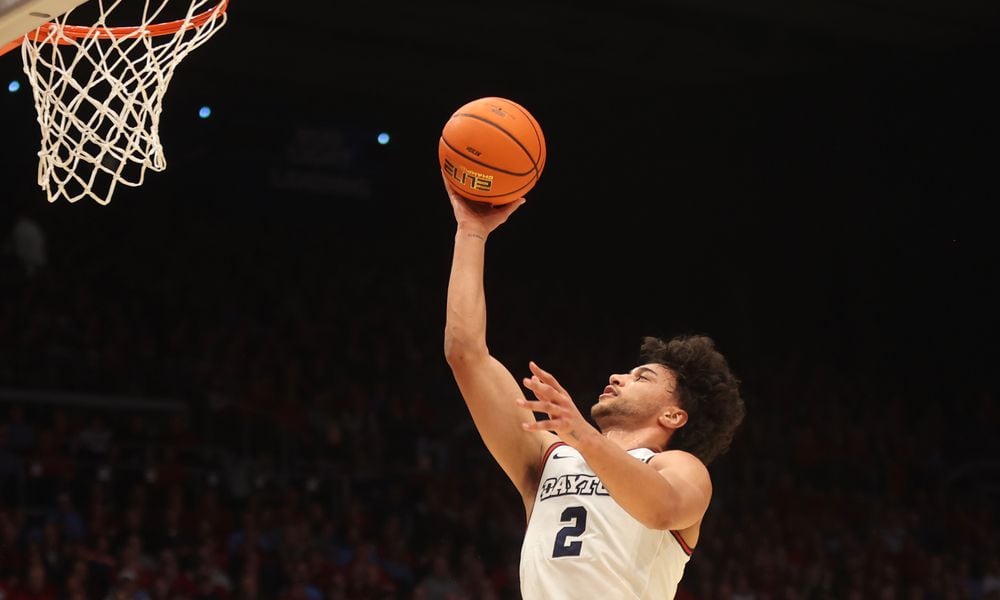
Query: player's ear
x=673 y=418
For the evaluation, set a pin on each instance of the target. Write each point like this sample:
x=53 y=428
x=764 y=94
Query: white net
x=99 y=93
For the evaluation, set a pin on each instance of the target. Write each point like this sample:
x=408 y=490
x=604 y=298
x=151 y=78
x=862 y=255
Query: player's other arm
x=671 y=492
x=487 y=386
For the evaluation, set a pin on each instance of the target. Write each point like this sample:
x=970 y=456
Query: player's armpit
x=490 y=391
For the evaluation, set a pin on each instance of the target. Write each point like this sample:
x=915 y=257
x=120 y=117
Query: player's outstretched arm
x=486 y=385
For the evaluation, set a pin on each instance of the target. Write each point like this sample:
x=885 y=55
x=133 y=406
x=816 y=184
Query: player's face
x=634 y=397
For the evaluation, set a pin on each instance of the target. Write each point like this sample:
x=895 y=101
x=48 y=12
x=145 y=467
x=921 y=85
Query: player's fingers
x=452 y=194
x=507 y=209
x=540 y=388
x=546 y=377
x=540 y=406
x=552 y=396
x=545 y=425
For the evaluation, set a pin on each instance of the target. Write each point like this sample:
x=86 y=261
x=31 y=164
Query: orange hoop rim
x=76 y=32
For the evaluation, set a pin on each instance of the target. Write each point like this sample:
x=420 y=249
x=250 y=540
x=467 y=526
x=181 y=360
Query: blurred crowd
x=237 y=421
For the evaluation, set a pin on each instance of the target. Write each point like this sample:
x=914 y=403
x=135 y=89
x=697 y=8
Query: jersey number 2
x=578 y=516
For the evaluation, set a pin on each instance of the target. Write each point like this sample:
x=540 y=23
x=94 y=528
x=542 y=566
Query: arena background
x=229 y=383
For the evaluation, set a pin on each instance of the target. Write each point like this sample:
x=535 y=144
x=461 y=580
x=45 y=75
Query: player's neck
x=629 y=439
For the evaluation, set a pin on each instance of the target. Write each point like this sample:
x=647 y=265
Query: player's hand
x=564 y=419
x=479 y=217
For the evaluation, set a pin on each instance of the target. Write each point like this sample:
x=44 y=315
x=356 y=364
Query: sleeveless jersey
x=581 y=544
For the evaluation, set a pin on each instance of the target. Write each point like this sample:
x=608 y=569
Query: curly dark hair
x=707 y=390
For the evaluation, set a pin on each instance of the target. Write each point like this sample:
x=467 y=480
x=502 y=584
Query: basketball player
x=615 y=512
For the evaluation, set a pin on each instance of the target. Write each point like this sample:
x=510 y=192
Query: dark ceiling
x=421 y=50
x=771 y=88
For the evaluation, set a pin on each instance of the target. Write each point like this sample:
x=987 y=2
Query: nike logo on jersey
x=554 y=456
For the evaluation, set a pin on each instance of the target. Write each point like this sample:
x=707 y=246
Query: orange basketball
x=492 y=150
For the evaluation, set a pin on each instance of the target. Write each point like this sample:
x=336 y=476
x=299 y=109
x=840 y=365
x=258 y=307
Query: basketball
x=492 y=150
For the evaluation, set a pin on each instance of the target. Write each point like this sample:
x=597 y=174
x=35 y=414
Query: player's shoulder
x=682 y=462
x=679 y=458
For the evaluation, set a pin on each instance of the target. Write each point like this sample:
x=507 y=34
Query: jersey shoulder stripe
x=545 y=457
x=680 y=540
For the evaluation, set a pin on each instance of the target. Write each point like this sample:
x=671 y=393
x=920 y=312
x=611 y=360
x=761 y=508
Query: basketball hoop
x=98 y=91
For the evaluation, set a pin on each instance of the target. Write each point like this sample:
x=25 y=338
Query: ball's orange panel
x=492 y=150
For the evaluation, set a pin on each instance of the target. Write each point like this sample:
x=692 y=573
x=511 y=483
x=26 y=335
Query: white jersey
x=581 y=544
